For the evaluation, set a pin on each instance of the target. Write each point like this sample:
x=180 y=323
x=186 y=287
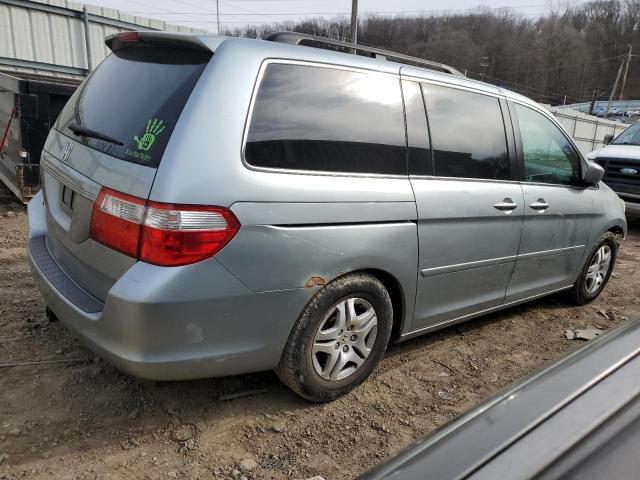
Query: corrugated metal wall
x=51 y=33
x=588 y=131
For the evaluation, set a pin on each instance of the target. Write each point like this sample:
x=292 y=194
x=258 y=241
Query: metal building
x=61 y=38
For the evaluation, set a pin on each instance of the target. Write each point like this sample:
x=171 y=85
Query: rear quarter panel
x=298 y=230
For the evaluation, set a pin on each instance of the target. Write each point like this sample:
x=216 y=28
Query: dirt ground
x=81 y=418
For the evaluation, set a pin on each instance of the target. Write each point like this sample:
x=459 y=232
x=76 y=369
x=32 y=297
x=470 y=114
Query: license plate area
x=67 y=199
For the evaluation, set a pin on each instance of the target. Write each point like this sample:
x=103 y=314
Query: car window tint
x=419 y=152
x=548 y=156
x=135 y=96
x=467 y=134
x=325 y=119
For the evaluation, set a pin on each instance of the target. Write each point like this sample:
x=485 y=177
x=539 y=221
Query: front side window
x=548 y=156
x=467 y=134
x=325 y=119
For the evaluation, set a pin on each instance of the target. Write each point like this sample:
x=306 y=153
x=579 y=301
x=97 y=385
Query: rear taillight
x=182 y=234
x=160 y=233
x=116 y=221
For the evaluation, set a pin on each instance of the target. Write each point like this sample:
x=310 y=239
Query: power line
x=256 y=22
x=397 y=12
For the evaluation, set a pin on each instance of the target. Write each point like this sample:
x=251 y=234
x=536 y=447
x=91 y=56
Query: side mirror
x=593 y=173
x=607 y=139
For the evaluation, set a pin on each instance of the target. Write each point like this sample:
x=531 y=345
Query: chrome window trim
x=442 y=83
x=322 y=173
x=463 y=179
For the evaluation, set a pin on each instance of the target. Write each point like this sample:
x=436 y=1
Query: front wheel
x=338 y=339
x=597 y=271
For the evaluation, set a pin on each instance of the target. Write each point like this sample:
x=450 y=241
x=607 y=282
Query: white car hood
x=616 y=151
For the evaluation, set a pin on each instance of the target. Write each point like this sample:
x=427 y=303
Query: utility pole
x=593 y=101
x=354 y=21
x=626 y=70
x=87 y=38
x=615 y=86
x=218 y=16
x=484 y=63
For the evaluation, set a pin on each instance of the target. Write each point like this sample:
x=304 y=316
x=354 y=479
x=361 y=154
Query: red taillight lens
x=182 y=234
x=160 y=233
x=116 y=221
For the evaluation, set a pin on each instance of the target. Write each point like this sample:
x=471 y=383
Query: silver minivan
x=214 y=206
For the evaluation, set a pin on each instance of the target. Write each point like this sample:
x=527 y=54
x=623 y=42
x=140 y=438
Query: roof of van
x=313 y=54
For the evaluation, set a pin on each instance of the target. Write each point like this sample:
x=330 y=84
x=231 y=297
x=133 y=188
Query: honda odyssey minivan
x=214 y=206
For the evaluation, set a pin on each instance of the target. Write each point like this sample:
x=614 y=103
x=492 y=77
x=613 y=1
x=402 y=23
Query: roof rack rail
x=302 y=38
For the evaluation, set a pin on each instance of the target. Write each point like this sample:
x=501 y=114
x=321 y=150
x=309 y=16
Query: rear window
x=327 y=119
x=135 y=96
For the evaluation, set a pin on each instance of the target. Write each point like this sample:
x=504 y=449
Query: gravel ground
x=84 y=419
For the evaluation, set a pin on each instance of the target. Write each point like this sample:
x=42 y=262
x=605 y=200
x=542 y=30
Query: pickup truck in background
x=620 y=158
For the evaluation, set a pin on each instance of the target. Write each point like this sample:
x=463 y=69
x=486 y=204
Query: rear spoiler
x=163 y=39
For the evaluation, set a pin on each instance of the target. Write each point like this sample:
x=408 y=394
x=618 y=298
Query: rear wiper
x=87 y=132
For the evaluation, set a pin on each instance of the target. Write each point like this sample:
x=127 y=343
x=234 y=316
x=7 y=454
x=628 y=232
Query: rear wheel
x=597 y=270
x=339 y=338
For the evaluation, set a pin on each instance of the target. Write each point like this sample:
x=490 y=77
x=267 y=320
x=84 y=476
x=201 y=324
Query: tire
x=316 y=361
x=584 y=290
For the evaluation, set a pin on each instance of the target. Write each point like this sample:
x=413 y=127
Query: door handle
x=506 y=205
x=539 y=205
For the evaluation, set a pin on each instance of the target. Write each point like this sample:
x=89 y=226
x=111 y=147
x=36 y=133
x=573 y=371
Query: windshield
x=129 y=106
x=631 y=136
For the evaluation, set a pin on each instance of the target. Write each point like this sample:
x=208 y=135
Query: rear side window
x=467 y=134
x=325 y=119
x=135 y=96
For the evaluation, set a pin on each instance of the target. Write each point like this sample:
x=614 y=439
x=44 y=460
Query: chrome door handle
x=539 y=204
x=506 y=205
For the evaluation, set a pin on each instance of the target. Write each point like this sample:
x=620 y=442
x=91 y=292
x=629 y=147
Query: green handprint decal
x=154 y=128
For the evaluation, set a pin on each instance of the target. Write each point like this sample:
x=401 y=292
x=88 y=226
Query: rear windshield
x=134 y=97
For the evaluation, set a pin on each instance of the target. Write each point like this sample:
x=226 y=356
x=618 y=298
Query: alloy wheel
x=344 y=339
x=598 y=269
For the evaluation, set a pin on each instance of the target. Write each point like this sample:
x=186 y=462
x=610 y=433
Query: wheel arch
x=398 y=298
x=618 y=230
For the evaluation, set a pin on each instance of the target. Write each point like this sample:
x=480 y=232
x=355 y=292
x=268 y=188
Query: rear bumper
x=171 y=323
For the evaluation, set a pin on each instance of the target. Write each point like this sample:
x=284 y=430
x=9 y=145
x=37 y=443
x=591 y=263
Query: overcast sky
x=202 y=13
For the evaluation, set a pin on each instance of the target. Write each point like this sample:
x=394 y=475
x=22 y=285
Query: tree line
x=569 y=51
